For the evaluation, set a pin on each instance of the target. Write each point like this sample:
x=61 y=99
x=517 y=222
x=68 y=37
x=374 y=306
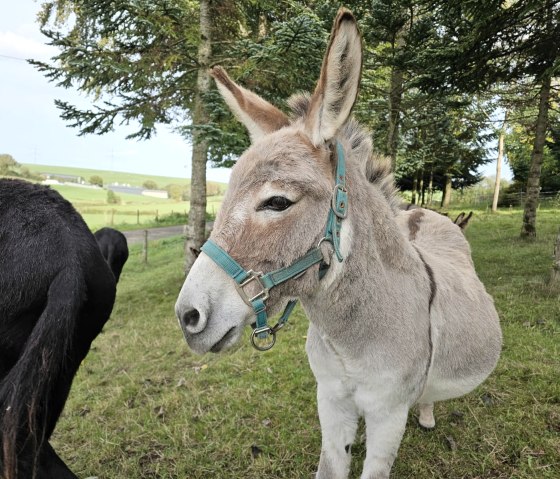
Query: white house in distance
x=137 y=190
x=59 y=178
x=156 y=193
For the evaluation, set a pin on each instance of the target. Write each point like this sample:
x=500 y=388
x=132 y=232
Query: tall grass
x=143 y=406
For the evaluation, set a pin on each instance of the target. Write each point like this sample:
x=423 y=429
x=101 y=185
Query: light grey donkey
x=398 y=319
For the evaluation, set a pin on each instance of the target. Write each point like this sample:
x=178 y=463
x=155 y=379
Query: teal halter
x=242 y=278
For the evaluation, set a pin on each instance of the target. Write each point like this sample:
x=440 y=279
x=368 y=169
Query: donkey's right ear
x=337 y=87
x=258 y=116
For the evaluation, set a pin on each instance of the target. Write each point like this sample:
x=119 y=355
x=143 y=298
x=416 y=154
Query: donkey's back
x=465 y=330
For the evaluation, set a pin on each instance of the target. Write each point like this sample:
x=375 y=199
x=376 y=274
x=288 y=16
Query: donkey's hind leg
x=426 y=417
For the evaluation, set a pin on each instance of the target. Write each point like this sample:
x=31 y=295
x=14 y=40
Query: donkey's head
x=278 y=200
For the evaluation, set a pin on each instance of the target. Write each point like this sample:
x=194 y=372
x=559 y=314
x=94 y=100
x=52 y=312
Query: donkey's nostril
x=191 y=317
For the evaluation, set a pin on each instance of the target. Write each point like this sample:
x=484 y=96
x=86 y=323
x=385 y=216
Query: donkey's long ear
x=258 y=116
x=337 y=87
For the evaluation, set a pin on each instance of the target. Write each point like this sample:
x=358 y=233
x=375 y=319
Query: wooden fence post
x=555 y=273
x=145 y=247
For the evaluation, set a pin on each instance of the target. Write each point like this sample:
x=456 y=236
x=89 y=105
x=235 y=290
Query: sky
x=32 y=131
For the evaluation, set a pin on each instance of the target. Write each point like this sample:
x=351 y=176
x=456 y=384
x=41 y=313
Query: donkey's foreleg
x=384 y=432
x=339 y=421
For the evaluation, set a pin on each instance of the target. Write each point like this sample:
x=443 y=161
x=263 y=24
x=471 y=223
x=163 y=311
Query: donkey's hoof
x=426 y=418
x=427 y=424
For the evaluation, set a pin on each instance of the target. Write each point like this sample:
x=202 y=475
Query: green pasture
x=131 y=211
x=144 y=406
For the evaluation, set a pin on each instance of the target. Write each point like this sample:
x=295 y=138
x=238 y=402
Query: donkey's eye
x=275 y=203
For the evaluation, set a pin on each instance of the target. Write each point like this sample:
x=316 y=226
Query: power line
x=13 y=58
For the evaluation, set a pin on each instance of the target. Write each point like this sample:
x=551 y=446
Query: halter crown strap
x=339 y=204
x=242 y=277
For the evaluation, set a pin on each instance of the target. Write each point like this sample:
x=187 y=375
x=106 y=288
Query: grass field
x=143 y=406
x=133 y=211
x=134 y=179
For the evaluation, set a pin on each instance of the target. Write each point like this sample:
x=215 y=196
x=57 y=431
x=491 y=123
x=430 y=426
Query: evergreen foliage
x=436 y=74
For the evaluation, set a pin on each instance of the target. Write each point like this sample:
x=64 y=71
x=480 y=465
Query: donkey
x=397 y=314
x=114 y=248
x=462 y=220
x=56 y=293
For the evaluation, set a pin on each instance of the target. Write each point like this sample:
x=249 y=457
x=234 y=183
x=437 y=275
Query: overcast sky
x=32 y=132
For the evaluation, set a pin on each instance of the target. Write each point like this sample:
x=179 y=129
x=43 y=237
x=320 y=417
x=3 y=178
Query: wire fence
x=114 y=216
x=548 y=199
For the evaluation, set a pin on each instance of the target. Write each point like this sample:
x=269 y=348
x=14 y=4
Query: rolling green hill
x=130 y=211
x=134 y=179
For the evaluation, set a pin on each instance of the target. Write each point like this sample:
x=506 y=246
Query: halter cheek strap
x=243 y=278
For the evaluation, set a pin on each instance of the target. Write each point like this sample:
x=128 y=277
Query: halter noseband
x=338 y=211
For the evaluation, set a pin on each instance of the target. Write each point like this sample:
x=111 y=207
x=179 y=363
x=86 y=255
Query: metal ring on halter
x=331 y=251
x=271 y=334
x=324 y=238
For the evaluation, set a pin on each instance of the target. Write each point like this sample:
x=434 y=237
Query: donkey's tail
x=29 y=403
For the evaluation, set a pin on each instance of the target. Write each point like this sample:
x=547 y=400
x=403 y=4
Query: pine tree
x=146 y=63
x=479 y=44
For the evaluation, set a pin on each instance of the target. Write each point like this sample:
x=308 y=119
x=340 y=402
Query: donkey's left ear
x=258 y=115
x=337 y=87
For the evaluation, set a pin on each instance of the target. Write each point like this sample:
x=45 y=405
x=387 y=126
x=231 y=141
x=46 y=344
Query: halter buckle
x=264 y=338
x=262 y=294
x=339 y=201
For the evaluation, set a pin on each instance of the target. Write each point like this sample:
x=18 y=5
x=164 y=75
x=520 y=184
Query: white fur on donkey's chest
x=364 y=383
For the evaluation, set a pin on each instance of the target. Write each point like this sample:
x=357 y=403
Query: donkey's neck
x=372 y=288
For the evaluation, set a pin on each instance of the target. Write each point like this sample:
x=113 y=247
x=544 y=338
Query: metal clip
x=277 y=327
x=262 y=294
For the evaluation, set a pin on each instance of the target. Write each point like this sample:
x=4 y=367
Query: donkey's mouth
x=222 y=342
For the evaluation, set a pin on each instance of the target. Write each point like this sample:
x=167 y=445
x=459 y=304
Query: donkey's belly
x=441 y=389
x=463 y=357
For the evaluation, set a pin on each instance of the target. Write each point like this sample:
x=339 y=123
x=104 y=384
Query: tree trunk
x=529 y=228
x=395 y=100
x=446 y=199
x=197 y=214
x=431 y=187
x=555 y=274
x=421 y=188
x=499 y=165
x=414 y=190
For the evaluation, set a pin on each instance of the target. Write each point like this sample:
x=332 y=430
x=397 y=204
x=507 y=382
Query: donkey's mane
x=377 y=168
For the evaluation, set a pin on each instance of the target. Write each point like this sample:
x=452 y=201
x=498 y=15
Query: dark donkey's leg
x=52 y=467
